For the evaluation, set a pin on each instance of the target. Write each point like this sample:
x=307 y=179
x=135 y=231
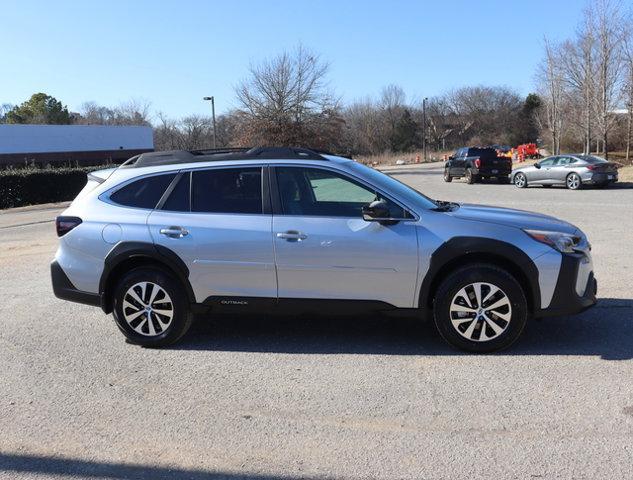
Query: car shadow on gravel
x=605 y=330
x=20 y=464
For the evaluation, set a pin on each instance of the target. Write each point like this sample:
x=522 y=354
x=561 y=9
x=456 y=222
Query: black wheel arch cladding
x=453 y=253
x=138 y=252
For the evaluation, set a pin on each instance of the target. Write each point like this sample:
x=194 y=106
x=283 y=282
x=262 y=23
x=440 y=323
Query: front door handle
x=174 y=232
x=292 y=236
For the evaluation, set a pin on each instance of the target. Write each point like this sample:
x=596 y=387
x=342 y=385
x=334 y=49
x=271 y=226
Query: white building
x=85 y=144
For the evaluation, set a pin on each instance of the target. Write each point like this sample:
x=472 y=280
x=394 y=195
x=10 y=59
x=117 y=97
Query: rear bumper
x=64 y=289
x=502 y=171
x=603 y=178
x=576 y=287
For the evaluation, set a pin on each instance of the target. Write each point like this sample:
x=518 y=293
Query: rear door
x=218 y=221
x=561 y=169
x=325 y=250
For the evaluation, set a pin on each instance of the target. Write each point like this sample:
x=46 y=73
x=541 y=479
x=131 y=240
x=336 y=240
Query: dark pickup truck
x=475 y=163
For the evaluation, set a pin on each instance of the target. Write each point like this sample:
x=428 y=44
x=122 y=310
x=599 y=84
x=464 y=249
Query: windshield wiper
x=444 y=206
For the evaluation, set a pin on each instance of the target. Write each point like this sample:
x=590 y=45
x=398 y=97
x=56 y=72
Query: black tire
x=470 y=177
x=573 y=181
x=520 y=180
x=464 y=278
x=447 y=176
x=181 y=318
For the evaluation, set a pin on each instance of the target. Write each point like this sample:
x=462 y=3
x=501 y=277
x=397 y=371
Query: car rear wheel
x=573 y=181
x=470 y=177
x=480 y=308
x=447 y=176
x=149 y=308
x=520 y=180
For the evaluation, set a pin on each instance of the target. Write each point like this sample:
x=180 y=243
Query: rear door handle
x=292 y=236
x=174 y=232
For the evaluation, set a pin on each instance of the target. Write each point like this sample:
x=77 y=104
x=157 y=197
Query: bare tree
x=627 y=53
x=286 y=100
x=607 y=22
x=577 y=61
x=551 y=85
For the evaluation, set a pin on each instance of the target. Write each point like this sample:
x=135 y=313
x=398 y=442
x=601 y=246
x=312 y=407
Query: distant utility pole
x=424 y=128
x=213 y=115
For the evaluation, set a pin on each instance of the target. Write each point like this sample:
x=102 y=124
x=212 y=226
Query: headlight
x=563 y=242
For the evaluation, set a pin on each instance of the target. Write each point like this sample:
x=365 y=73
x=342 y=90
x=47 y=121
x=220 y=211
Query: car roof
x=182 y=160
x=224 y=154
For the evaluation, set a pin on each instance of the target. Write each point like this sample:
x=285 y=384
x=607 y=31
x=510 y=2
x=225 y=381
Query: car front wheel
x=149 y=308
x=447 y=175
x=480 y=308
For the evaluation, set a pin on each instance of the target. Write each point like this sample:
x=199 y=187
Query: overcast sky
x=172 y=53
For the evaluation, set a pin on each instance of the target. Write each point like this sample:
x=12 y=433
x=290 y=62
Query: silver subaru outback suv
x=171 y=234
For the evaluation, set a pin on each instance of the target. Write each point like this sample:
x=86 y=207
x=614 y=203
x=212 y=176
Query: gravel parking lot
x=353 y=397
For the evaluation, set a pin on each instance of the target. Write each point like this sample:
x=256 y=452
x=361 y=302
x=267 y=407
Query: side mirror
x=537 y=165
x=377 y=211
x=452 y=157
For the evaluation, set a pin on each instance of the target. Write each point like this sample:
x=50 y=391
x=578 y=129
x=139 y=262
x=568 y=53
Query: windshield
x=390 y=184
x=591 y=159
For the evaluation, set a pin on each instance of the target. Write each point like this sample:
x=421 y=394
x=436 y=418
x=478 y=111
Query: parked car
x=475 y=163
x=573 y=171
x=170 y=234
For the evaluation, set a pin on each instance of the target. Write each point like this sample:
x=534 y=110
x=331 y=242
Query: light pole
x=213 y=115
x=424 y=128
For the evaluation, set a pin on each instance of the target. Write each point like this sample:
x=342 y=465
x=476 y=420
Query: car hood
x=513 y=218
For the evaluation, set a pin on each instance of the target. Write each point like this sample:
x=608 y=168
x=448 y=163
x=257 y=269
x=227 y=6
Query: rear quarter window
x=144 y=192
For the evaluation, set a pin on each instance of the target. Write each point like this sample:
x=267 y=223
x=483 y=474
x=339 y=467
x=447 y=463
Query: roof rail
x=221 y=154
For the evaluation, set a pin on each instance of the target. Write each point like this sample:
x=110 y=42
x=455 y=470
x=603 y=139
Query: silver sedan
x=573 y=171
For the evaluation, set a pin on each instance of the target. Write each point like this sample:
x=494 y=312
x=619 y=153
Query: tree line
x=586 y=83
x=581 y=103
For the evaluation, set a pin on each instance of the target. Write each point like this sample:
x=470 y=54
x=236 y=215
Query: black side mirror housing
x=377 y=211
x=537 y=165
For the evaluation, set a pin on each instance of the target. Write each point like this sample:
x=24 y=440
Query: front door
x=325 y=250
x=545 y=173
x=220 y=231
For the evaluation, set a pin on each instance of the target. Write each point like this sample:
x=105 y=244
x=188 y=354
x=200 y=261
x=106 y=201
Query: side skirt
x=219 y=304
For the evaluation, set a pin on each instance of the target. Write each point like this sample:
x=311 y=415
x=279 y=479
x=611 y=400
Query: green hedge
x=30 y=186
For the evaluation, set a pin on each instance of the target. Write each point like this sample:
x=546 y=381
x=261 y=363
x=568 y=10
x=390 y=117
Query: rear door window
x=144 y=192
x=227 y=190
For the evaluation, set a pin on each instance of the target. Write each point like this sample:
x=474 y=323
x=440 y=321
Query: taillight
x=64 y=225
x=590 y=167
x=477 y=162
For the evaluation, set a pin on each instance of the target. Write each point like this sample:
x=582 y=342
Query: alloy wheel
x=480 y=312
x=520 y=180
x=148 y=309
x=573 y=181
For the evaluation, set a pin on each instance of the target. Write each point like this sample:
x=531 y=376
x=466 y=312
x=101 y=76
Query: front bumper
x=64 y=289
x=576 y=287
